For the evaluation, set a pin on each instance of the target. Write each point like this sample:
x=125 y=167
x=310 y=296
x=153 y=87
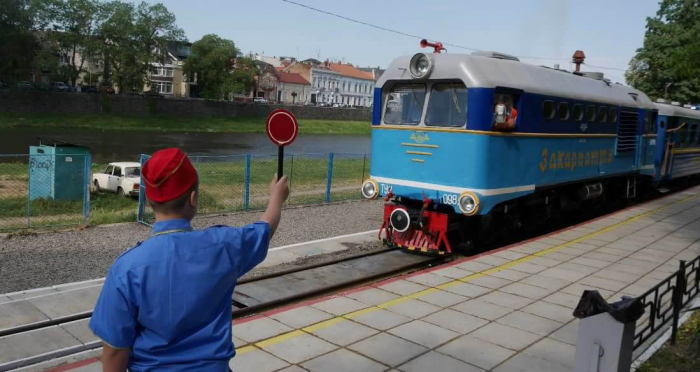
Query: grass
x=682 y=357
x=170 y=124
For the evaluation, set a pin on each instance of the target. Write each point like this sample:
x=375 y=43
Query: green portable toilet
x=60 y=171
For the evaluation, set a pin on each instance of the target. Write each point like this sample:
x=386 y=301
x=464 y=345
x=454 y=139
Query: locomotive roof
x=486 y=72
x=671 y=110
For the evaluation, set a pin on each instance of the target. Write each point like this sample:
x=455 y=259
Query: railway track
x=255 y=295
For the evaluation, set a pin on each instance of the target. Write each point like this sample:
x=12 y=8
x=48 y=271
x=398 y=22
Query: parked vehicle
x=59 y=86
x=124 y=178
x=24 y=85
x=88 y=89
x=259 y=100
x=106 y=89
x=151 y=93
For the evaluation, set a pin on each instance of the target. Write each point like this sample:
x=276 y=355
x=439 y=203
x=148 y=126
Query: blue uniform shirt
x=169 y=298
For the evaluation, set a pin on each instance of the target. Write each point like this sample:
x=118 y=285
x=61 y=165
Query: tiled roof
x=350 y=71
x=293 y=78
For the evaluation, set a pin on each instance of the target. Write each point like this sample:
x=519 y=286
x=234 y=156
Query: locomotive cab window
x=590 y=113
x=548 y=110
x=404 y=104
x=602 y=114
x=563 y=111
x=613 y=115
x=578 y=112
x=692 y=136
x=447 y=105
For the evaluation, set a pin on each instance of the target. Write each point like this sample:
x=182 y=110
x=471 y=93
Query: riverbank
x=112 y=122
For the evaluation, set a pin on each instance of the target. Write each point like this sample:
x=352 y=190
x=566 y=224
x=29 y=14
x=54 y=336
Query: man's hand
x=279 y=191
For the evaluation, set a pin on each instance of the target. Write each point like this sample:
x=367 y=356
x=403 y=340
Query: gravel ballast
x=36 y=260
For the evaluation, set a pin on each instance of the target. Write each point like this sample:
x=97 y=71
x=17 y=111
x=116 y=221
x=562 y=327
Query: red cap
x=168 y=174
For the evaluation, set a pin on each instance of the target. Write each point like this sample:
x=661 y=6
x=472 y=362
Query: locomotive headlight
x=400 y=220
x=420 y=65
x=468 y=203
x=370 y=189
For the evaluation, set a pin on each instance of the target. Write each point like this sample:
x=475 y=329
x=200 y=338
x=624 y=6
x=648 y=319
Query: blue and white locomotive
x=467 y=146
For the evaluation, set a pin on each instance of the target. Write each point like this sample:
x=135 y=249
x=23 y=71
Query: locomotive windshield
x=447 y=106
x=404 y=104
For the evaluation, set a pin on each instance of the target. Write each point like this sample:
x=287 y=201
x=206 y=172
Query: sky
x=608 y=31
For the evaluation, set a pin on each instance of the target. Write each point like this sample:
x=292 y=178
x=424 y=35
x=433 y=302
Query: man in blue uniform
x=166 y=303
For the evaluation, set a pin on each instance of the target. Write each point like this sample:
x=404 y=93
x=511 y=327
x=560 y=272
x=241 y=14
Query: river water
x=127 y=146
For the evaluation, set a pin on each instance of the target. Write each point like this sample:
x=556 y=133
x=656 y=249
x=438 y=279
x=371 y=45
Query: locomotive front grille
x=627 y=131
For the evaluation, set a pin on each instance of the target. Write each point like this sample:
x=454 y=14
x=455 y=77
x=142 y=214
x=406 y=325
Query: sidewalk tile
x=455 y=321
x=30 y=294
x=528 y=267
x=468 y=290
x=526 y=290
x=482 y=309
x=259 y=329
x=568 y=266
x=473 y=266
x=506 y=300
x=433 y=361
x=373 y=296
x=577 y=289
x=527 y=363
x=530 y=323
x=453 y=272
x=301 y=316
x=423 y=333
x=429 y=279
x=550 y=311
x=298 y=349
x=618 y=276
x=599 y=256
x=510 y=255
x=557 y=273
x=344 y=333
x=256 y=361
x=80 y=330
x=388 y=349
x=24 y=345
x=544 y=261
x=505 y=336
x=381 y=319
x=590 y=262
x=553 y=351
x=477 y=352
x=414 y=308
x=402 y=287
x=293 y=369
x=609 y=284
x=343 y=361
x=546 y=282
x=567 y=333
x=489 y=282
x=510 y=275
x=340 y=305
x=493 y=260
x=442 y=298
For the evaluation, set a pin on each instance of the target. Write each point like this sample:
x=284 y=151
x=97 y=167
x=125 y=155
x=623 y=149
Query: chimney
x=578 y=59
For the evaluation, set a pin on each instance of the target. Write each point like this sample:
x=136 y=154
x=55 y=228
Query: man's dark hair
x=174 y=206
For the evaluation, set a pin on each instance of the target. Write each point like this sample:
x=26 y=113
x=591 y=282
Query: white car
x=259 y=100
x=123 y=178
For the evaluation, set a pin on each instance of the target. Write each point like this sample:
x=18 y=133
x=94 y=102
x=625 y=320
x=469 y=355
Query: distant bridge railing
x=231 y=183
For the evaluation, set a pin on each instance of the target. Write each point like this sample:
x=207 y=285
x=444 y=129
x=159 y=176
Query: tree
x=668 y=65
x=219 y=67
x=135 y=37
x=20 y=21
x=75 y=35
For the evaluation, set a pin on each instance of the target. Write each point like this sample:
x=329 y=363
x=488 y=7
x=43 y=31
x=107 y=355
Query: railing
x=663 y=303
x=231 y=183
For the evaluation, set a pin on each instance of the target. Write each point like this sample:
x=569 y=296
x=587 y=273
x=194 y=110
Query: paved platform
x=507 y=310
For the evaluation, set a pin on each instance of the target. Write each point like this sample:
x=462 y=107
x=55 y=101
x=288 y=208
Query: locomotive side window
x=692 y=137
x=578 y=112
x=563 y=111
x=548 y=110
x=590 y=113
x=404 y=104
x=613 y=115
x=602 y=114
x=447 y=106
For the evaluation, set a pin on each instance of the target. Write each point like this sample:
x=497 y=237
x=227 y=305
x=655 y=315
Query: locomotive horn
x=438 y=46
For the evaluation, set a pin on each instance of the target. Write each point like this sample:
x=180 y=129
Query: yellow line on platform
x=468 y=278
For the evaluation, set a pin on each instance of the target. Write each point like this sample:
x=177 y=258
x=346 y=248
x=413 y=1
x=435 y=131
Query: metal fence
x=663 y=303
x=44 y=190
x=232 y=183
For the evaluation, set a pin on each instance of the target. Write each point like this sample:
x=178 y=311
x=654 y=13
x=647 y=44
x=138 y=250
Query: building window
x=162 y=71
x=162 y=87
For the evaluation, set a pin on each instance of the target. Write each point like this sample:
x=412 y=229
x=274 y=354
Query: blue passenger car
x=678 y=151
x=467 y=146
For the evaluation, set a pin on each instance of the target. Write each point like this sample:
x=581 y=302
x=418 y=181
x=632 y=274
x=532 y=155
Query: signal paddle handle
x=280 y=161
